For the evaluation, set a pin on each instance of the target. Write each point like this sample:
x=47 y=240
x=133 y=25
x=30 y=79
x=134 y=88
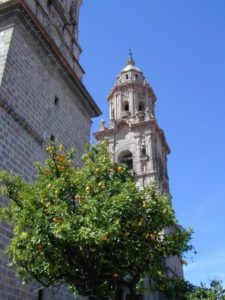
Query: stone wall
x=38 y=99
x=60 y=20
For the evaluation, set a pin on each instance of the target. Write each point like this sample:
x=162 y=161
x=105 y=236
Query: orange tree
x=90 y=228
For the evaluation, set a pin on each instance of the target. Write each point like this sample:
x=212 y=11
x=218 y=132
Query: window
x=56 y=101
x=41 y=295
x=52 y=138
x=127 y=77
x=141 y=106
x=136 y=76
x=126 y=158
x=143 y=150
x=126 y=105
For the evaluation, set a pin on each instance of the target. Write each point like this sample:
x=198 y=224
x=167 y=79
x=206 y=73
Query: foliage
x=215 y=292
x=90 y=228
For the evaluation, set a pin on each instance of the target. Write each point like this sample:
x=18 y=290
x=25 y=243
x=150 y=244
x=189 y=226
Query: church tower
x=136 y=139
x=134 y=135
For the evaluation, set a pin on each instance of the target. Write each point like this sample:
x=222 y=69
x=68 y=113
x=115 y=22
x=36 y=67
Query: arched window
x=126 y=106
x=41 y=294
x=52 y=138
x=143 y=150
x=126 y=157
x=141 y=106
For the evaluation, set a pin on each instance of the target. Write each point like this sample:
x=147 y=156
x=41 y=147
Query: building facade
x=136 y=139
x=42 y=98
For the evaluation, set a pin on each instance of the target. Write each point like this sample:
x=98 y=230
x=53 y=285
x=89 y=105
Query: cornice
x=107 y=132
x=104 y=133
x=130 y=85
x=21 y=8
x=145 y=174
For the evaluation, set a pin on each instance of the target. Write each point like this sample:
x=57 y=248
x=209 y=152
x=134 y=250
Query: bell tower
x=135 y=137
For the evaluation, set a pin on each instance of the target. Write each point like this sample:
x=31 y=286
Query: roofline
x=21 y=4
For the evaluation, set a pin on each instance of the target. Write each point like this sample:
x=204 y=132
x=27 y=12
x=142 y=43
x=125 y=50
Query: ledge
x=20 y=7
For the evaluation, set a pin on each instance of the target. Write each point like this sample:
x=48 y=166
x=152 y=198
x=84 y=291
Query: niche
x=126 y=158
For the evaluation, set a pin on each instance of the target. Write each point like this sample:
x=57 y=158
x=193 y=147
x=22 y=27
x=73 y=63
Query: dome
x=130 y=66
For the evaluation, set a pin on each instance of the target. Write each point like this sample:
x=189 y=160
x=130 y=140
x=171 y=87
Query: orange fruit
x=61 y=168
x=88 y=189
x=61 y=148
x=57 y=220
x=141 y=222
x=120 y=169
x=101 y=185
x=104 y=238
x=49 y=149
x=144 y=204
x=60 y=158
x=57 y=191
x=79 y=198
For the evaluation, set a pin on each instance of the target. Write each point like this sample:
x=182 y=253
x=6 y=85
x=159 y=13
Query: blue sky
x=180 y=47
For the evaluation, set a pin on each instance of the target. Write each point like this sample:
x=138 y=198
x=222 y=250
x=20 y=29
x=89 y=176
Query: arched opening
x=41 y=294
x=126 y=106
x=143 y=150
x=52 y=138
x=141 y=106
x=126 y=157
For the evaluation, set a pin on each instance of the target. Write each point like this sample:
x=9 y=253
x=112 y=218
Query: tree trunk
x=119 y=295
x=131 y=295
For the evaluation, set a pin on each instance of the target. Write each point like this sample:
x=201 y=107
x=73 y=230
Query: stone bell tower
x=134 y=135
x=136 y=139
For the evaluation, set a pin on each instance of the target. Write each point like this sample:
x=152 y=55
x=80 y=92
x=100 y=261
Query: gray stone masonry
x=60 y=20
x=39 y=99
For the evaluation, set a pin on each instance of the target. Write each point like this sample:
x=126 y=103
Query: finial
x=130 y=54
x=130 y=59
x=102 y=125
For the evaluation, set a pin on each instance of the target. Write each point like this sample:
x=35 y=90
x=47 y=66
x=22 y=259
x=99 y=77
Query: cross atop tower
x=130 y=58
